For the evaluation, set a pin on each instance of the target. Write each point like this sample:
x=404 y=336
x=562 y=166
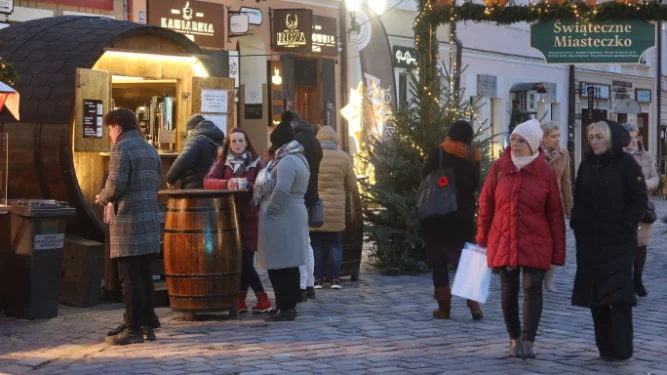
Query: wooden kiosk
x=74 y=69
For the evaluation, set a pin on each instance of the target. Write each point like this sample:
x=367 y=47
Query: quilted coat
x=521 y=220
x=217 y=179
x=645 y=233
x=132 y=186
x=610 y=198
x=197 y=157
x=335 y=178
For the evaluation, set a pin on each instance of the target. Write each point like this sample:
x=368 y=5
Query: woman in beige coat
x=335 y=178
x=559 y=159
x=644 y=233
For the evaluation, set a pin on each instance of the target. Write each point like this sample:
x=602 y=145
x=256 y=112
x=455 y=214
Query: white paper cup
x=242 y=183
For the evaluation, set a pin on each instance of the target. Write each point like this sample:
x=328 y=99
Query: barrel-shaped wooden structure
x=46 y=53
x=202 y=251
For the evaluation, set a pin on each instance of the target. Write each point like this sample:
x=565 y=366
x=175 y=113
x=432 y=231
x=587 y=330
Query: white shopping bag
x=473 y=276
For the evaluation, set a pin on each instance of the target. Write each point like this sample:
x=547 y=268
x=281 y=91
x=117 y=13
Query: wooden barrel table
x=202 y=251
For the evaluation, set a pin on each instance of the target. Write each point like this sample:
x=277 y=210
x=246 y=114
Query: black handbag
x=650 y=215
x=437 y=193
x=316 y=212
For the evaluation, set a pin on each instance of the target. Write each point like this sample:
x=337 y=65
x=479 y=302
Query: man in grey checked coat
x=130 y=195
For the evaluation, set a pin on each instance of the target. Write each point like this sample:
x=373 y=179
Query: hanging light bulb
x=276 y=78
x=353 y=5
x=377 y=5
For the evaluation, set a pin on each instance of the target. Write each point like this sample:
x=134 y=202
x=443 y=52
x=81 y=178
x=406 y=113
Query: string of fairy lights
x=8 y=74
x=436 y=13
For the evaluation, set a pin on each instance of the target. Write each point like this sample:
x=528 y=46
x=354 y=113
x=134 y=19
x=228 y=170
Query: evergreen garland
x=8 y=74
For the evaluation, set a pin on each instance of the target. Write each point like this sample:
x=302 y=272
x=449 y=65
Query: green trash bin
x=32 y=261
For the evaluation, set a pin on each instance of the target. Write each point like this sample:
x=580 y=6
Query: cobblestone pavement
x=381 y=325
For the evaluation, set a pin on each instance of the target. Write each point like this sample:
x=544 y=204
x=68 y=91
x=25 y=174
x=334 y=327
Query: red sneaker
x=241 y=306
x=263 y=304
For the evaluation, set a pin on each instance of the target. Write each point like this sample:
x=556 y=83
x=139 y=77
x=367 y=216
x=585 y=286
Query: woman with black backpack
x=447 y=234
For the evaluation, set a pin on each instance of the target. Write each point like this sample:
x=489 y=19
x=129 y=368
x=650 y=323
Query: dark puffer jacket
x=446 y=235
x=521 y=220
x=304 y=133
x=610 y=198
x=199 y=154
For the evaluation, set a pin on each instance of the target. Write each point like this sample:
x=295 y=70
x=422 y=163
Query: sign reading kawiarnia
x=579 y=42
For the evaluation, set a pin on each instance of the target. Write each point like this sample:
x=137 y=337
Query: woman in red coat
x=521 y=223
x=239 y=159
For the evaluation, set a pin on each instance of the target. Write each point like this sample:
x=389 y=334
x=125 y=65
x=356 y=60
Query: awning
x=529 y=86
x=9 y=98
x=629 y=106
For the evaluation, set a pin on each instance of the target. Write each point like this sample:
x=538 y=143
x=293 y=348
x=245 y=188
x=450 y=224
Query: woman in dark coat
x=610 y=199
x=239 y=159
x=446 y=235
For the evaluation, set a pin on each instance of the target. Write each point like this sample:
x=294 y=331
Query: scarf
x=459 y=149
x=522 y=161
x=266 y=179
x=550 y=155
x=238 y=163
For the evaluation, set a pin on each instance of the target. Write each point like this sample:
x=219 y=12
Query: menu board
x=93 y=115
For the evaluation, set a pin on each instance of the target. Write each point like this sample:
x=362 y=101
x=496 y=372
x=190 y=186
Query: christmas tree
x=397 y=160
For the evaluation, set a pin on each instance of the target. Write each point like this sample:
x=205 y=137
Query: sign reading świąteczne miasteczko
x=608 y=42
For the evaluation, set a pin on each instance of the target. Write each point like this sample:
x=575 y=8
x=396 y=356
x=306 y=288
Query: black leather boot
x=126 y=337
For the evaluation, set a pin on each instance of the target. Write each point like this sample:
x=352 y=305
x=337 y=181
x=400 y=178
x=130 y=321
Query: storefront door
x=307 y=103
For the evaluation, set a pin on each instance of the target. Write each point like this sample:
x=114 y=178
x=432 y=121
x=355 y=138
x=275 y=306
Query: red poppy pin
x=443 y=181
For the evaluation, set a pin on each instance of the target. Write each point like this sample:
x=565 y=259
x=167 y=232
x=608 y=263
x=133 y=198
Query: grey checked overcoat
x=132 y=186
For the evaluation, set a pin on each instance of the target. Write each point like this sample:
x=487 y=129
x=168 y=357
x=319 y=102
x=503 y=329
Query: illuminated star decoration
x=352 y=112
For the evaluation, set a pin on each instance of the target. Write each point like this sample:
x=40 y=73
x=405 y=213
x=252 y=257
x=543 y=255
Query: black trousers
x=440 y=274
x=136 y=280
x=286 y=287
x=249 y=276
x=532 y=301
x=613 y=330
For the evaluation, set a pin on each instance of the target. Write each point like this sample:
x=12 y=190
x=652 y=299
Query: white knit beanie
x=531 y=131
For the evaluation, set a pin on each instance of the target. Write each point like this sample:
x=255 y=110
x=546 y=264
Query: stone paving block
x=369 y=327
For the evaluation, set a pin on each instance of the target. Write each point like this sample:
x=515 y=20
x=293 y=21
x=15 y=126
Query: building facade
x=284 y=55
x=28 y=10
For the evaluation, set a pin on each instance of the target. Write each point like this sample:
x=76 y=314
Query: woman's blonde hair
x=603 y=127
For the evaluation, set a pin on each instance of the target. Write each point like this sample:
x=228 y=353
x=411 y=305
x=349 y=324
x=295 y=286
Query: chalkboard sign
x=93 y=115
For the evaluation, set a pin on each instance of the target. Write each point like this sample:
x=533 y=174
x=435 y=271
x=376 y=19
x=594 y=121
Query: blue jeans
x=327 y=245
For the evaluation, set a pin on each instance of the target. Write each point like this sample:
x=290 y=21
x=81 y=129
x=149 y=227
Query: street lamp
x=354 y=6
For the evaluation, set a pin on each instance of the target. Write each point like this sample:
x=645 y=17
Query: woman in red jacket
x=521 y=223
x=239 y=159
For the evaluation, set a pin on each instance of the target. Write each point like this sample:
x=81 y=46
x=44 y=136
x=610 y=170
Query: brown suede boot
x=443 y=295
x=475 y=310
